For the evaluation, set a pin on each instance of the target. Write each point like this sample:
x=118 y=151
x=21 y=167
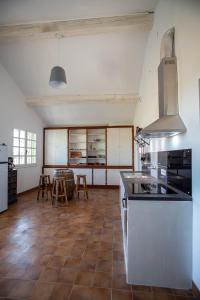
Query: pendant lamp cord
x=59 y=37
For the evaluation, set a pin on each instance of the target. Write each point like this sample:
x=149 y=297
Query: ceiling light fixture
x=58 y=77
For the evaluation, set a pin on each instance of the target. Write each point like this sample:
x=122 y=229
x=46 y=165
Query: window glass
x=33 y=144
x=22 y=134
x=33 y=153
x=16 y=160
x=22 y=160
x=22 y=151
x=16 y=142
x=29 y=152
x=29 y=135
x=24 y=147
x=28 y=159
x=33 y=159
x=22 y=143
x=16 y=133
x=15 y=151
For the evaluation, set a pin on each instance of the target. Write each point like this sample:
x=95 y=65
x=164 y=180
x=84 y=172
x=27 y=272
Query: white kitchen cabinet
x=56 y=147
x=113 y=176
x=125 y=146
x=119 y=146
x=99 y=176
x=113 y=146
x=81 y=171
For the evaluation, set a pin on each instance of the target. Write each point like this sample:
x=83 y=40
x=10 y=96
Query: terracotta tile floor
x=70 y=252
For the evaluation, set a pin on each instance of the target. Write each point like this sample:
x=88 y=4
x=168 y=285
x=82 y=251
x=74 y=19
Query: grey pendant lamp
x=58 y=77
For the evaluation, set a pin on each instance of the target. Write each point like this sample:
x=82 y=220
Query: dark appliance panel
x=151 y=188
x=179 y=170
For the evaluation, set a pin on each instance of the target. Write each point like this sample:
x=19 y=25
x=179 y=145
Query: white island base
x=158 y=242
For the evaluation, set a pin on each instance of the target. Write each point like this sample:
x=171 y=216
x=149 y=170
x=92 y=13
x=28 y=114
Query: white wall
x=185 y=16
x=14 y=113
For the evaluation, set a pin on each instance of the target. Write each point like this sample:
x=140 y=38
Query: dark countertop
x=129 y=178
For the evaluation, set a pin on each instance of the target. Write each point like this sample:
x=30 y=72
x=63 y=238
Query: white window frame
x=32 y=147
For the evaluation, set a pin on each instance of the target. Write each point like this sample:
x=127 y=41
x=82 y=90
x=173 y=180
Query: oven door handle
x=124 y=203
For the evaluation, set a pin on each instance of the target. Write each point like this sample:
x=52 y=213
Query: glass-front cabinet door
x=77 y=146
x=96 y=146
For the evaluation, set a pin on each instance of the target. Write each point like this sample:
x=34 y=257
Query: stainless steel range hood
x=169 y=122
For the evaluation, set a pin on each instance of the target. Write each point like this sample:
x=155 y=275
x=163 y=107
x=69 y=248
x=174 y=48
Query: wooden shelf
x=90 y=136
x=77 y=150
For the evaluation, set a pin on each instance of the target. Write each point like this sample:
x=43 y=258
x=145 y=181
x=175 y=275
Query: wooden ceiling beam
x=139 y=22
x=74 y=99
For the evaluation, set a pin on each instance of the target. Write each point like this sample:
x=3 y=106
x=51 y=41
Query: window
x=24 y=147
x=31 y=148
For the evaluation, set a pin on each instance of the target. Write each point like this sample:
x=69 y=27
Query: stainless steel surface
x=169 y=122
x=165 y=126
x=132 y=175
x=167 y=48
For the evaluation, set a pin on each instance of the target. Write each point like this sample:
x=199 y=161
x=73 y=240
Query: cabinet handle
x=124 y=203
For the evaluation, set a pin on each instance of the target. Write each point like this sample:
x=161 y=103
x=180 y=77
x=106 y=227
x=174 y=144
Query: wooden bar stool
x=44 y=186
x=59 y=190
x=81 y=187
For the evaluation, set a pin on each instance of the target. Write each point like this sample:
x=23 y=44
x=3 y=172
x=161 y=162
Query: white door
x=56 y=147
x=113 y=157
x=99 y=176
x=125 y=147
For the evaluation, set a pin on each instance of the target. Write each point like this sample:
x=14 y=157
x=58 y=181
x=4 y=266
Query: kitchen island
x=157 y=232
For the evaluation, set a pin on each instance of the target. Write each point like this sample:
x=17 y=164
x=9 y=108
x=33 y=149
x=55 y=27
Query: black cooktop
x=151 y=188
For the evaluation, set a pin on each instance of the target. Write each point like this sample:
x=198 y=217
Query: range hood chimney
x=169 y=122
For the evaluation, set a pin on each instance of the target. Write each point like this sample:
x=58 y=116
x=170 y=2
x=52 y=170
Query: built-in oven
x=175 y=169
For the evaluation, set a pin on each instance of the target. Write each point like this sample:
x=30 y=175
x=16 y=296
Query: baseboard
x=195 y=291
x=103 y=186
x=27 y=191
x=114 y=187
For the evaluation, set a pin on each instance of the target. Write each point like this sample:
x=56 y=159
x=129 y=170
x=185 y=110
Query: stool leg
x=57 y=193
x=85 y=188
x=38 y=194
x=77 y=187
x=42 y=187
x=53 y=192
x=49 y=186
x=45 y=188
x=65 y=193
